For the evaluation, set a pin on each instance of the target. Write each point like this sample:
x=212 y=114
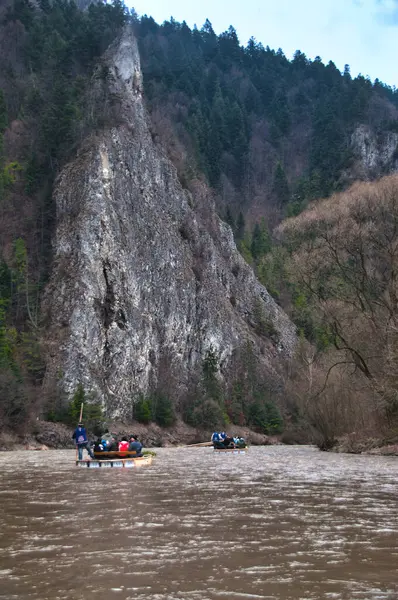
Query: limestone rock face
x=376 y=154
x=146 y=278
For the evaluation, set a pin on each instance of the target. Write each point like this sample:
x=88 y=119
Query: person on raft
x=126 y=444
x=81 y=441
x=135 y=445
x=113 y=445
x=239 y=442
x=98 y=446
x=221 y=441
x=123 y=445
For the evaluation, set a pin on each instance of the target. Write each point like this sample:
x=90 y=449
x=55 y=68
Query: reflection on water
x=275 y=523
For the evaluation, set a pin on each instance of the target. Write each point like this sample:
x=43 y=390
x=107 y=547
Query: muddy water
x=276 y=523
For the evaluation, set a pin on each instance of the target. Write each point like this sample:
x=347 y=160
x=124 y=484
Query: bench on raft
x=113 y=454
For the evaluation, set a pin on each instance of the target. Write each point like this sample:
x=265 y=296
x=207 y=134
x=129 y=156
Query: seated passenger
x=239 y=442
x=218 y=440
x=105 y=441
x=105 y=438
x=113 y=446
x=135 y=446
x=98 y=446
x=229 y=442
x=123 y=445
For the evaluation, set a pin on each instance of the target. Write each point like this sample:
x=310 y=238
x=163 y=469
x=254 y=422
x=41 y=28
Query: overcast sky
x=362 y=33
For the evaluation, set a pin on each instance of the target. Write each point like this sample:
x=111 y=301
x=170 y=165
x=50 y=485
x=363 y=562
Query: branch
x=358 y=360
x=341 y=362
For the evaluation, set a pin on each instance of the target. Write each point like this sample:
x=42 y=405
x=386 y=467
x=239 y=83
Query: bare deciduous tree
x=345 y=259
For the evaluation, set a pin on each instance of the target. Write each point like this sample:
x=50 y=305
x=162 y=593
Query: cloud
x=387 y=11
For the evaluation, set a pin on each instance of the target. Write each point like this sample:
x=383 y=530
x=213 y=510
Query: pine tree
x=280 y=113
x=3 y=113
x=230 y=219
x=240 y=227
x=280 y=186
x=142 y=410
x=164 y=411
x=273 y=419
x=261 y=241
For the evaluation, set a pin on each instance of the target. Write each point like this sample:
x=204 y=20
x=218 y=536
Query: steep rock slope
x=375 y=154
x=146 y=278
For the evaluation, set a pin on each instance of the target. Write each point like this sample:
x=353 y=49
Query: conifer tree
x=261 y=241
x=280 y=185
x=240 y=226
x=3 y=113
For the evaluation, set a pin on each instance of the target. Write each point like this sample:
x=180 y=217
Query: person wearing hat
x=81 y=440
x=135 y=445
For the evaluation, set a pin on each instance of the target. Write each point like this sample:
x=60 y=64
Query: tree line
x=260 y=127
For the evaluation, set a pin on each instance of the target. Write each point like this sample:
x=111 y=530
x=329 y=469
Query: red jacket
x=123 y=446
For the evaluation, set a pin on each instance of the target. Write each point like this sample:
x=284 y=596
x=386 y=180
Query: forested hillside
x=269 y=133
x=266 y=136
x=272 y=137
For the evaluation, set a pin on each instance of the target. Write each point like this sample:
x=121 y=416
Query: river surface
x=275 y=523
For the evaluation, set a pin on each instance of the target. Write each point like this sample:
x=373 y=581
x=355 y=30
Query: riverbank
x=45 y=435
x=49 y=435
x=358 y=443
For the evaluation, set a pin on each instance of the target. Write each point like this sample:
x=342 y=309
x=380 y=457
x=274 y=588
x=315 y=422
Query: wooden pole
x=201 y=445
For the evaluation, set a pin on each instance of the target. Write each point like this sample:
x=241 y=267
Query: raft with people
x=109 y=452
x=224 y=443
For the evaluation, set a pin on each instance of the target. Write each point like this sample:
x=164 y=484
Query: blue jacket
x=137 y=446
x=80 y=435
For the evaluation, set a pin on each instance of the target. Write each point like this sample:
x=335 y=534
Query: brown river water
x=279 y=522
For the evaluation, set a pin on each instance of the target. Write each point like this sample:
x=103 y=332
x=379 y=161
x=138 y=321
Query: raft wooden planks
x=126 y=463
x=233 y=450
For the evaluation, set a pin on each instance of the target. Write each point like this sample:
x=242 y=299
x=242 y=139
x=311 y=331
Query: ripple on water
x=285 y=523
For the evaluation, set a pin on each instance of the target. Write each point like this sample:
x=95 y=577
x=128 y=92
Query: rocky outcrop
x=146 y=278
x=376 y=154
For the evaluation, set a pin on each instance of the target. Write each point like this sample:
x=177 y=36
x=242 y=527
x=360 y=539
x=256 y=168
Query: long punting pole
x=80 y=420
x=200 y=445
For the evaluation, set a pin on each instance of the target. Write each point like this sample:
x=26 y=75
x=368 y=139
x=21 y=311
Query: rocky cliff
x=145 y=278
x=375 y=154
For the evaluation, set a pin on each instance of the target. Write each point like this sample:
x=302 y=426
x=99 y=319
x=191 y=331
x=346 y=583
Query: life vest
x=123 y=446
